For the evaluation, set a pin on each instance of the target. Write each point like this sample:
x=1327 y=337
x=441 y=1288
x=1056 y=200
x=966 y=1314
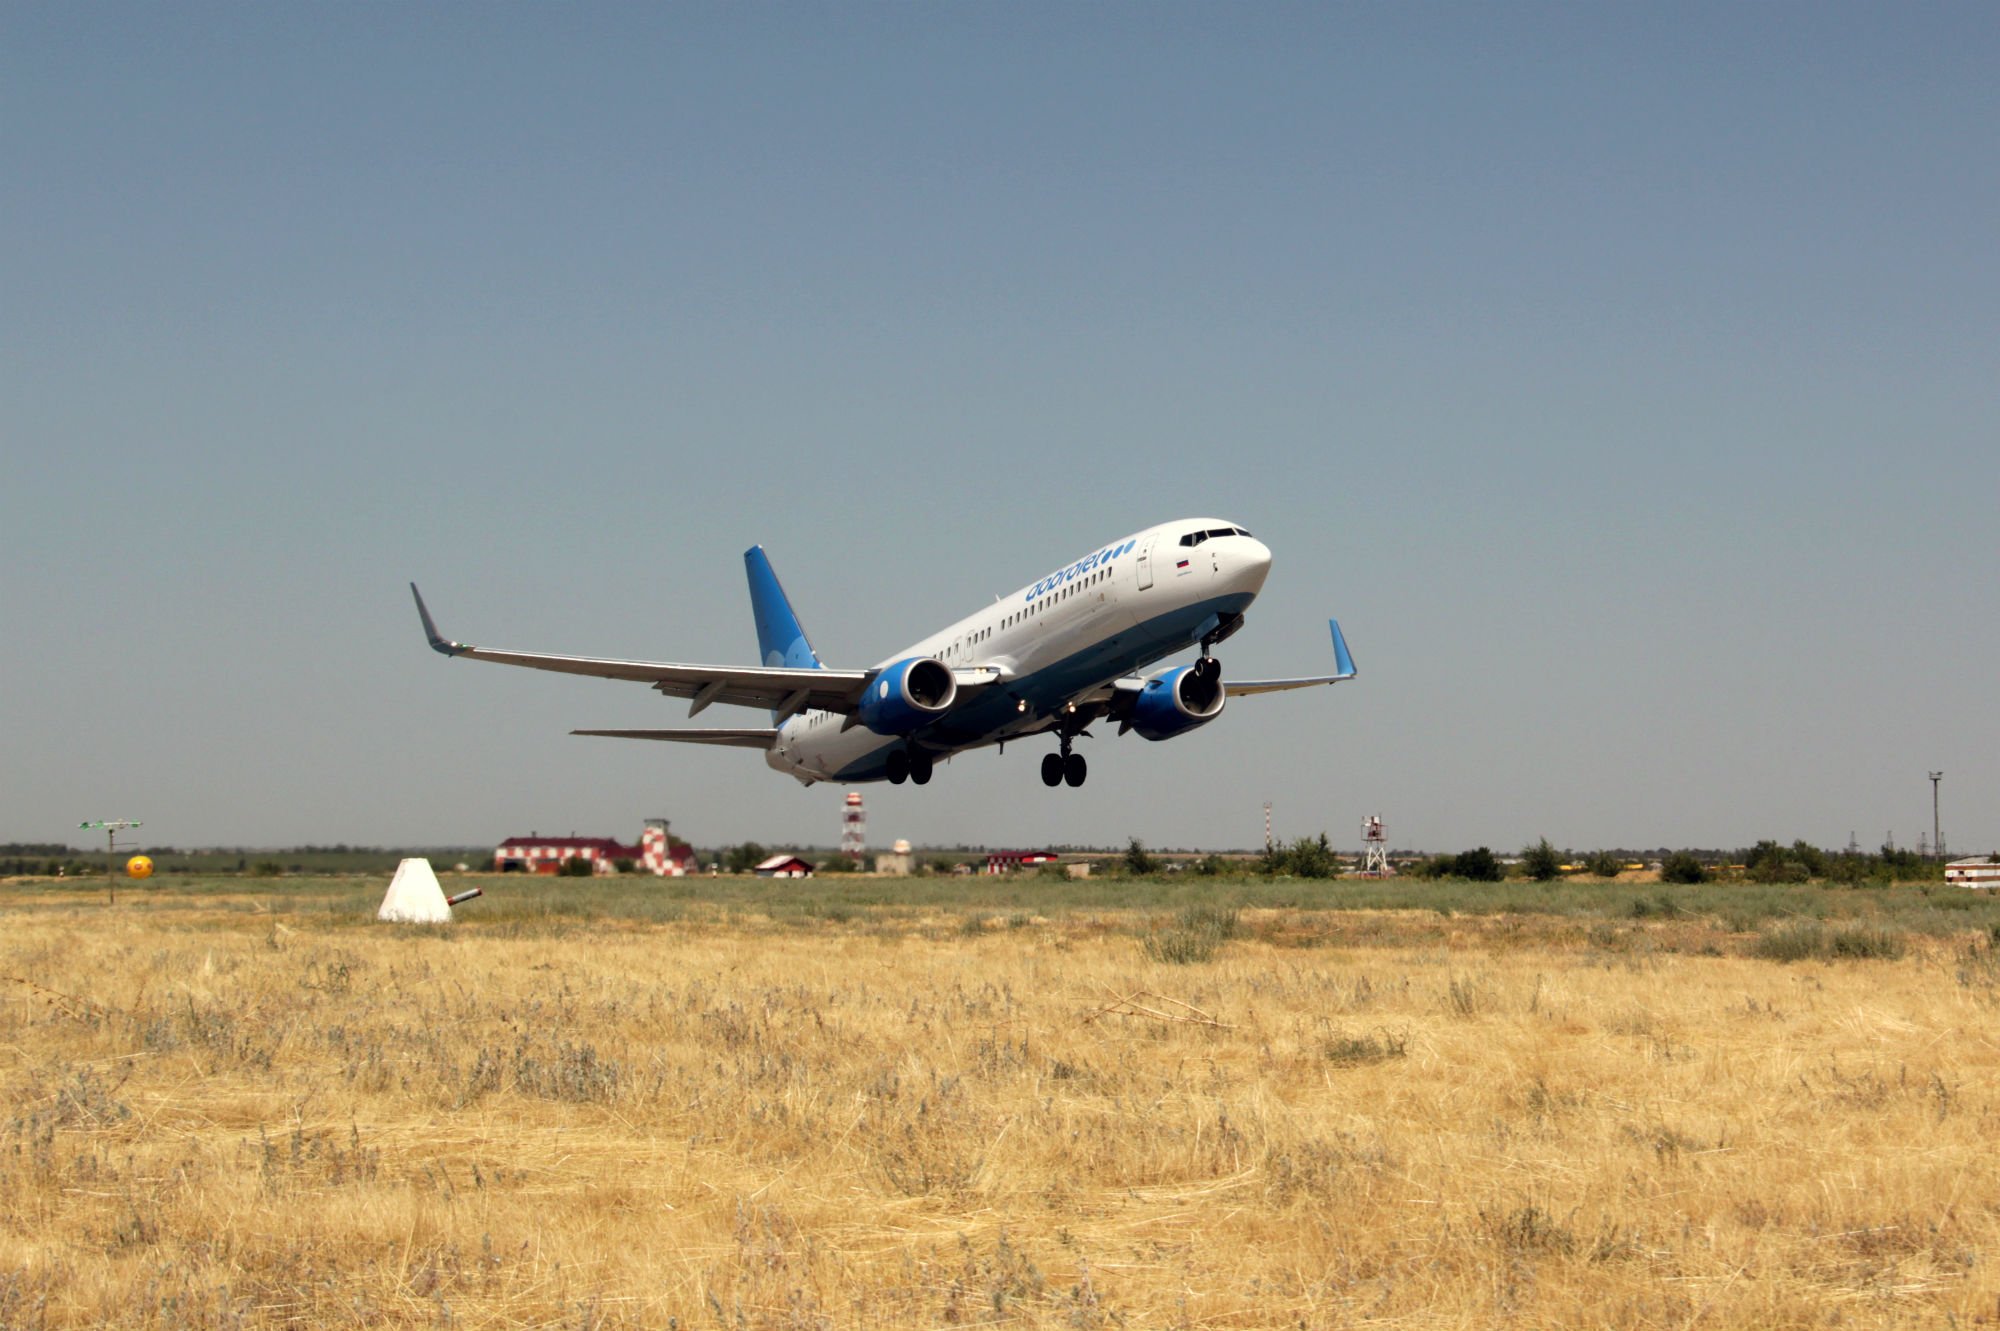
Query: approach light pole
x=111 y=826
x=1937 y=840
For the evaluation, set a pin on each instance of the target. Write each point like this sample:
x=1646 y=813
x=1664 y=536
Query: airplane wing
x=785 y=691
x=737 y=739
x=1342 y=661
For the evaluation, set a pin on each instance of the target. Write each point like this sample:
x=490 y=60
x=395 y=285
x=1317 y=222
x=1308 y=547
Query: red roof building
x=655 y=853
x=1006 y=861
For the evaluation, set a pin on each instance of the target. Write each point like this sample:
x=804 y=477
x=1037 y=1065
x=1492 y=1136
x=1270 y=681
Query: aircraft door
x=1146 y=564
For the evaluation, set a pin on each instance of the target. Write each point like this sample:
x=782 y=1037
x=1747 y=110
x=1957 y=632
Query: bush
x=1603 y=864
x=1137 y=861
x=1681 y=867
x=1198 y=931
x=1308 y=857
x=577 y=867
x=1540 y=862
x=1348 y=1050
x=1769 y=862
x=743 y=858
x=1481 y=865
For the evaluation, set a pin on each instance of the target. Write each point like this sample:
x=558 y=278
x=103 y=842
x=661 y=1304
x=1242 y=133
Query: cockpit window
x=1197 y=537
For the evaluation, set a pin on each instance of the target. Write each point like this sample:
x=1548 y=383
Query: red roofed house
x=1005 y=861
x=535 y=853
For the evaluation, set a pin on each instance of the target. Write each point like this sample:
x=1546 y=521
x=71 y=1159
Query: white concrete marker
x=414 y=896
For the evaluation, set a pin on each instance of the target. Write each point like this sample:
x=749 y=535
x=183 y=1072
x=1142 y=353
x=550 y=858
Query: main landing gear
x=1058 y=768
x=908 y=765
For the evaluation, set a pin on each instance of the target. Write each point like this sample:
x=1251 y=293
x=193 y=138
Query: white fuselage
x=1100 y=618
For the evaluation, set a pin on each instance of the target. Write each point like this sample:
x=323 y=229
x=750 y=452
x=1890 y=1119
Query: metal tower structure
x=853 y=826
x=112 y=827
x=1937 y=835
x=1377 y=843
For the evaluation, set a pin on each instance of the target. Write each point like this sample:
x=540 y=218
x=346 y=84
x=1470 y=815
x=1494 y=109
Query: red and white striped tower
x=853 y=826
x=653 y=850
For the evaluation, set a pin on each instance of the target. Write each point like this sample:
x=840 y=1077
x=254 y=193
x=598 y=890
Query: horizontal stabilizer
x=736 y=739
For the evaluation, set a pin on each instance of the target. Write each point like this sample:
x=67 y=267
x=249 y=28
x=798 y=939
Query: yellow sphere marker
x=139 y=866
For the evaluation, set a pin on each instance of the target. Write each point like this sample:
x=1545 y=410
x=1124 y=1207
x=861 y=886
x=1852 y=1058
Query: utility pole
x=1937 y=839
x=111 y=827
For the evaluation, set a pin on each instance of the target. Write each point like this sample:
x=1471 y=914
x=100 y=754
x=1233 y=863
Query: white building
x=1980 y=871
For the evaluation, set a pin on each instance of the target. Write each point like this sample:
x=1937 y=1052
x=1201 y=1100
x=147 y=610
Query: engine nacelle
x=1179 y=700
x=907 y=695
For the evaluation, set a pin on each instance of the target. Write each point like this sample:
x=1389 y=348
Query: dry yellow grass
x=216 y=1118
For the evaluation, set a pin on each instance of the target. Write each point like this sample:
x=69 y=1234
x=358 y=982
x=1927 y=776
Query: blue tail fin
x=781 y=641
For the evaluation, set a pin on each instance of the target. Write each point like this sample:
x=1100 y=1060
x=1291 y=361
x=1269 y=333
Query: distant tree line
x=1766 y=862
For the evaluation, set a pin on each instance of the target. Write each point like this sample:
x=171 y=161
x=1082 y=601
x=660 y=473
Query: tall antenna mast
x=1937 y=837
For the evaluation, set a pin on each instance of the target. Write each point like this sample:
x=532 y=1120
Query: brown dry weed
x=215 y=1118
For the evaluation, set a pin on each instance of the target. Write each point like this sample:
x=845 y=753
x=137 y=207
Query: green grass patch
x=1810 y=940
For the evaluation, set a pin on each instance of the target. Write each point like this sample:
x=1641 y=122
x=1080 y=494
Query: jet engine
x=907 y=695
x=1178 y=701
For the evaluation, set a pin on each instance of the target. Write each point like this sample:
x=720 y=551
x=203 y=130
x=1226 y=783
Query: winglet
x=1343 y=661
x=439 y=643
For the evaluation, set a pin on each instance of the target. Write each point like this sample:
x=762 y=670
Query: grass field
x=1027 y=1103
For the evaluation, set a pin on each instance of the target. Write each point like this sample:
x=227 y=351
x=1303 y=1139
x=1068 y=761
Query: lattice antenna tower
x=1376 y=842
x=853 y=826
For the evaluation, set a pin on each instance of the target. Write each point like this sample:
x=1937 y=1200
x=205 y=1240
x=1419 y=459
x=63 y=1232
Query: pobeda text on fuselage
x=1063 y=652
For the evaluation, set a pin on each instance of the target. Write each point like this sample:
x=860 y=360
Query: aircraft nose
x=1253 y=565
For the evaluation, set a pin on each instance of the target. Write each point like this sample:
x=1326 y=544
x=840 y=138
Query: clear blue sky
x=1625 y=378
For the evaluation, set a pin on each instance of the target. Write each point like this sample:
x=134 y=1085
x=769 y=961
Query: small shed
x=1979 y=871
x=784 y=866
x=1006 y=861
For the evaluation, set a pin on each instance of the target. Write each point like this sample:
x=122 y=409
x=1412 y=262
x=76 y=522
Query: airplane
x=1052 y=658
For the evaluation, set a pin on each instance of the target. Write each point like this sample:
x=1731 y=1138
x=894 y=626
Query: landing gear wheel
x=1075 y=769
x=898 y=763
x=1052 y=769
x=920 y=768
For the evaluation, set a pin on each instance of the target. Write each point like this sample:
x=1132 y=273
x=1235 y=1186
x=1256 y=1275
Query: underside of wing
x=1245 y=687
x=1343 y=662
x=735 y=739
